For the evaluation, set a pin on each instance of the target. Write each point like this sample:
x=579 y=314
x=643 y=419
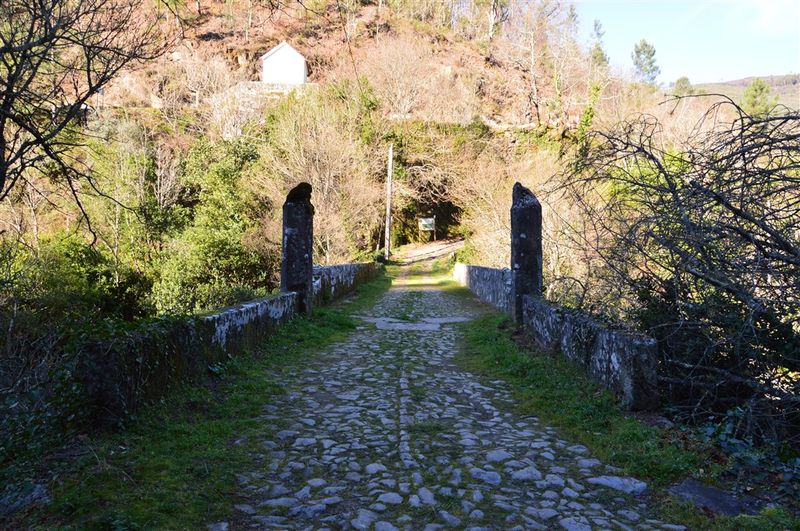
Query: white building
x=283 y=65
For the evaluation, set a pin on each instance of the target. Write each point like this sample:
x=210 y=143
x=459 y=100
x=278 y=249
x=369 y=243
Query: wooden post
x=389 y=171
x=434 y=227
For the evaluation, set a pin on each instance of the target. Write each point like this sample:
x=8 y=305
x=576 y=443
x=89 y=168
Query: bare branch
x=705 y=236
x=54 y=56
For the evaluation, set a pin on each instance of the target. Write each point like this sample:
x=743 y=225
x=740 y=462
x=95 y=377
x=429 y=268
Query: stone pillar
x=297 y=261
x=526 y=248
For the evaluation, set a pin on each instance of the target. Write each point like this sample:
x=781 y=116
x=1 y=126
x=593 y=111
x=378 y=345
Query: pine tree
x=683 y=87
x=597 y=53
x=644 y=61
x=756 y=100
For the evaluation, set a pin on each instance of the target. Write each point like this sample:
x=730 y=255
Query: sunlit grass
x=560 y=394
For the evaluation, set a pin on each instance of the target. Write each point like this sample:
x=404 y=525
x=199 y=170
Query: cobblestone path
x=383 y=431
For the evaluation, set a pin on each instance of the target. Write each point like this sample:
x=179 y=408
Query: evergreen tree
x=644 y=61
x=683 y=87
x=597 y=53
x=756 y=100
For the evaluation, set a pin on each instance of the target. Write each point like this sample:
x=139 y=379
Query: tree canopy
x=683 y=87
x=597 y=53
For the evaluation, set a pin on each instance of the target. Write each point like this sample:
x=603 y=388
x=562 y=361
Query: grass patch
x=768 y=520
x=562 y=396
x=173 y=468
x=418 y=394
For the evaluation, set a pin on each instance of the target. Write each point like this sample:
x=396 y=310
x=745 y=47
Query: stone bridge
x=384 y=431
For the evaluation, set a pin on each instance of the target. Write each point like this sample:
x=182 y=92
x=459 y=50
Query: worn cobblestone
x=385 y=431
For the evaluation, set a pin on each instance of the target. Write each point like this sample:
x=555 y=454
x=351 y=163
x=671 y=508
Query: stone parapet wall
x=490 y=285
x=125 y=366
x=241 y=327
x=334 y=282
x=120 y=370
x=622 y=361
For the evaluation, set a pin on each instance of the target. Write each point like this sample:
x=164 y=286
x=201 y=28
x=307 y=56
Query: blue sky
x=706 y=40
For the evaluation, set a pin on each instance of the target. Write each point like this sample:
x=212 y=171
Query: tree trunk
x=534 y=88
x=492 y=19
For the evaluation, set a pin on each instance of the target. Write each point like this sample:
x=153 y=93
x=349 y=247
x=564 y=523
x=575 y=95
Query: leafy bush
x=47 y=299
x=47 y=296
x=209 y=265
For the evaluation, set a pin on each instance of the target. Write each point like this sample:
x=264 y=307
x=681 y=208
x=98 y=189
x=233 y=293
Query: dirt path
x=383 y=431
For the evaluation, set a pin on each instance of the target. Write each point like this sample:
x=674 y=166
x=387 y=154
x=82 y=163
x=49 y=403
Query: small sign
x=427 y=224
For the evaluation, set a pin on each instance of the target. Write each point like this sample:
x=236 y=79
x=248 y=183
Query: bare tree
x=702 y=239
x=400 y=72
x=166 y=185
x=24 y=209
x=315 y=139
x=54 y=56
x=497 y=14
x=529 y=33
x=206 y=76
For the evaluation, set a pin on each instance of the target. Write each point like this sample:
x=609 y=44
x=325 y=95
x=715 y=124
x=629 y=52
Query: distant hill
x=786 y=87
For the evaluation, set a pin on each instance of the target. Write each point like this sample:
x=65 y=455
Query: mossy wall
x=121 y=368
x=621 y=360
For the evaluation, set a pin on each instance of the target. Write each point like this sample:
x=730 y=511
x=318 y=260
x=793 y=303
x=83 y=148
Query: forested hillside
x=179 y=174
x=142 y=181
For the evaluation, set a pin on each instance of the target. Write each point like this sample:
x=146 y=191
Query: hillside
x=786 y=87
x=420 y=67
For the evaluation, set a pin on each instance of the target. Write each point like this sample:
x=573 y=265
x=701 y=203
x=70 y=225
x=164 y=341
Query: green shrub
x=209 y=265
x=70 y=278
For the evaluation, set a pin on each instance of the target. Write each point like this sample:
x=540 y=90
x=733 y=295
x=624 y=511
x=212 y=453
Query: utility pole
x=389 y=171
